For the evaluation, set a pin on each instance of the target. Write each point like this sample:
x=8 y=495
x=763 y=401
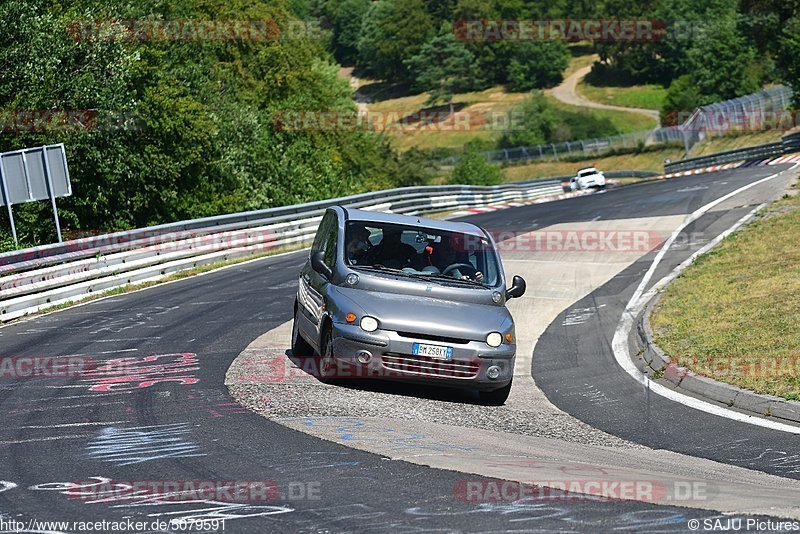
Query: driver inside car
x=392 y=252
x=447 y=254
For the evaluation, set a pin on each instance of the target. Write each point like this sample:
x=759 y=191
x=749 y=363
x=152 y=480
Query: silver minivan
x=406 y=298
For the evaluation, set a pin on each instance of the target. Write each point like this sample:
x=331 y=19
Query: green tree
x=533 y=123
x=348 y=17
x=473 y=169
x=721 y=64
x=443 y=67
x=536 y=65
x=789 y=56
x=392 y=31
x=682 y=98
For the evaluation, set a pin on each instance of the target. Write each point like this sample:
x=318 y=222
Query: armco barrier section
x=45 y=276
x=730 y=156
x=789 y=144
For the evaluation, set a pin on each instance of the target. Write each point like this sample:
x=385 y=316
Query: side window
x=323 y=232
x=330 y=244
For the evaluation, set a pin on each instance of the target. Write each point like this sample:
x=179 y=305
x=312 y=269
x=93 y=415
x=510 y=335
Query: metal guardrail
x=788 y=145
x=40 y=277
x=729 y=156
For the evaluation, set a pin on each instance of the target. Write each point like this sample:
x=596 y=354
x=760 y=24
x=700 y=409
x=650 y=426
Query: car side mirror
x=517 y=288
x=318 y=264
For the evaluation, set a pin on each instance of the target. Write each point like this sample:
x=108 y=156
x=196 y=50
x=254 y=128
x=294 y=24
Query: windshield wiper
x=462 y=280
x=385 y=269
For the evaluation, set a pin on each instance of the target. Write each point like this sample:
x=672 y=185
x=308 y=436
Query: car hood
x=431 y=316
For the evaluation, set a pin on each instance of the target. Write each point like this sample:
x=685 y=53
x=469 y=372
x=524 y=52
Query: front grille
x=431 y=337
x=426 y=366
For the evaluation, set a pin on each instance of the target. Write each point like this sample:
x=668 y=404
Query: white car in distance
x=586 y=178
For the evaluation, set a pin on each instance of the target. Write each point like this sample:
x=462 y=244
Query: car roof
x=407 y=220
x=588 y=169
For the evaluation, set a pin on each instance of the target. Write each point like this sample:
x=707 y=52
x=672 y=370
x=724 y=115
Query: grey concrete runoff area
x=210 y=394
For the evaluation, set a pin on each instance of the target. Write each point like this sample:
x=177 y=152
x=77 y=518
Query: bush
x=473 y=169
x=537 y=122
x=682 y=98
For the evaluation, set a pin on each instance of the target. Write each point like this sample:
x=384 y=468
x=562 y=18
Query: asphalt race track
x=171 y=417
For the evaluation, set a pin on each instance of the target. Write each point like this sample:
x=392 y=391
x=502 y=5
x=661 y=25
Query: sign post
x=32 y=174
x=7 y=201
x=49 y=181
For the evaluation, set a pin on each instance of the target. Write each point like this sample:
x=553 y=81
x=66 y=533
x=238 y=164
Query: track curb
x=658 y=363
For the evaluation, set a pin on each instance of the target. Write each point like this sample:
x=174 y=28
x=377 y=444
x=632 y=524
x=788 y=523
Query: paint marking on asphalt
x=640 y=298
x=66 y=425
x=49 y=438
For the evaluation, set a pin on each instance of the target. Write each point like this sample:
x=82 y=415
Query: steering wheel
x=454 y=266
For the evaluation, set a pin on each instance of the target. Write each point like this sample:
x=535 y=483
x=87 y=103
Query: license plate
x=433 y=351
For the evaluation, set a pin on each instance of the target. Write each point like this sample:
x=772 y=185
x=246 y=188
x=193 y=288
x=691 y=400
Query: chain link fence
x=751 y=112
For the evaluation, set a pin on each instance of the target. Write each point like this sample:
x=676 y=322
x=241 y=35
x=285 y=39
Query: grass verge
x=635 y=96
x=648 y=160
x=623 y=121
x=732 y=316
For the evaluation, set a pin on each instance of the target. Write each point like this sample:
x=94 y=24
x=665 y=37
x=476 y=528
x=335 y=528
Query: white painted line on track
x=640 y=299
x=68 y=425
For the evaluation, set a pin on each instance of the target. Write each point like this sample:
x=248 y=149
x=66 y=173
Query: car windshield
x=422 y=252
x=587 y=172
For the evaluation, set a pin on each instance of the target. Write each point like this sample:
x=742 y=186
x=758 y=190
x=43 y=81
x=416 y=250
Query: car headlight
x=369 y=324
x=495 y=339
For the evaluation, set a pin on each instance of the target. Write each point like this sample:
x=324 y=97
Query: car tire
x=300 y=347
x=327 y=361
x=496 y=397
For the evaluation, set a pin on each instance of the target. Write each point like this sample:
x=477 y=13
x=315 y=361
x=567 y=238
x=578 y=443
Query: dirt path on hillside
x=361 y=99
x=566 y=92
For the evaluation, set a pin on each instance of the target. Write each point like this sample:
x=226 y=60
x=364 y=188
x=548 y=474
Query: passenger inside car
x=358 y=246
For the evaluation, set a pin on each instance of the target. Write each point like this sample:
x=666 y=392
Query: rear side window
x=325 y=240
x=331 y=240
x=328 y=221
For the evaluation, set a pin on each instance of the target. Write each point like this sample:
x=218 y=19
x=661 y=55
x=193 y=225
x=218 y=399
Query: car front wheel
x=496 y=397
x=300 y=347
x=327 y=360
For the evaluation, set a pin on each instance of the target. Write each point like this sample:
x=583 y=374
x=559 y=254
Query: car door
x=312 y=284
x=317 y=282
